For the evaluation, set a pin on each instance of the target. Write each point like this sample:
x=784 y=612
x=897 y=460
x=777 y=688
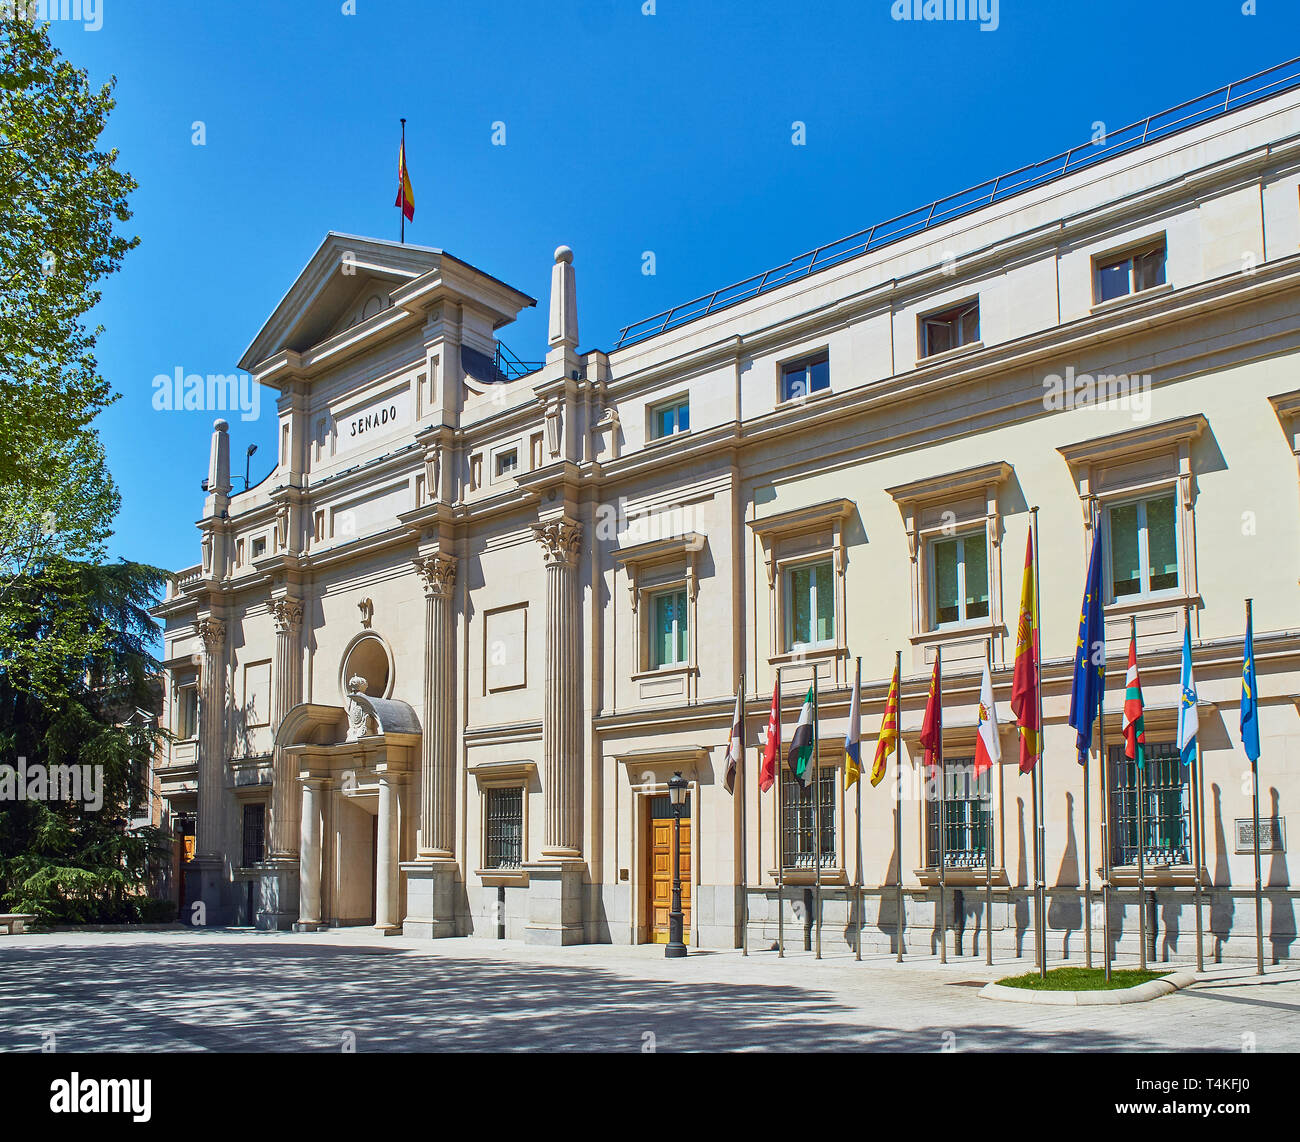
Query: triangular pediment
x=347 y=280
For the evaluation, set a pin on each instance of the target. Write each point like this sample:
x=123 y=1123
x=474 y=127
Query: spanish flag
x=405 y=195
x=1024 y=678
x=888 y=732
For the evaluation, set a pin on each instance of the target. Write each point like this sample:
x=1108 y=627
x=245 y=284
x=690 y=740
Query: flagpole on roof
x=1139 y=751
x=402 y=186
x=898 y=785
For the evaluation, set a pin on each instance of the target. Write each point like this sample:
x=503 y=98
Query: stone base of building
x=556 y=894
x=433 y=900
x=309 y=925
x=278 y=894
x=205 y=882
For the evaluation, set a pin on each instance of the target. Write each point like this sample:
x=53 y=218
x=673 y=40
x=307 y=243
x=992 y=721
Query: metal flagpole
x=988 y=854
x=1040 y=817
x=898 y=801
x=943 y=805
x=744 y=835
x=778 y=832
x=1196 y=814
x=1103 y=772
x=1138 y=752
x=401 y=174
x=1254 y=781
x=817 y=822
x=857 y=787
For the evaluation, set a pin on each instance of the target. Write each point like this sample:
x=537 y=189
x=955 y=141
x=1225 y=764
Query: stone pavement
x=238 y=990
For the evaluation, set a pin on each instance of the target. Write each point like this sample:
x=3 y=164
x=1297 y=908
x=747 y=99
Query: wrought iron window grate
x=798 y=832
x=505 y=828
x=1166 y=807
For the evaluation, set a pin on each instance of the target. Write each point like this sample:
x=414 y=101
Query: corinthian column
x=286 y=817
x=437 y=745
x=212 y=715
x=561 y=732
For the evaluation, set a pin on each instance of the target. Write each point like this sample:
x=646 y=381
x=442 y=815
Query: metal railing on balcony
x=1236 y=95
x=511 y=368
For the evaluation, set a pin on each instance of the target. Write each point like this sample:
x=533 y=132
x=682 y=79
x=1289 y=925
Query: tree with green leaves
x=62 y=200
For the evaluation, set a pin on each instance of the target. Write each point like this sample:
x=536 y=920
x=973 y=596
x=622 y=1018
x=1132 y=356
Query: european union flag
x=1249 y=695
x=1089 y=655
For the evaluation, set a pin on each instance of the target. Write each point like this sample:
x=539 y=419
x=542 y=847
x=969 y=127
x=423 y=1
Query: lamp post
x=248 y=463
x=677 y=787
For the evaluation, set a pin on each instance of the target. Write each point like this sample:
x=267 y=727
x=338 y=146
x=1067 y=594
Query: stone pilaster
x=310 y=857
x=212 y=720
x=285 y=816
x=561 y=730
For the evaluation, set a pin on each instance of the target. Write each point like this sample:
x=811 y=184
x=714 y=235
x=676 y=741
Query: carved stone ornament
x=560 y=540
x=367 y=609
x=438 y=574
x=213 y=633
x=287 y=613
x=361 y=722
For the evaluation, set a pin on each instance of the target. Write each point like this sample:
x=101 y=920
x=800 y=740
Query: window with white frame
x=506 y=461
x=1133 y=272
x=187 y=712
x=670 y=418
x=803 y=378
x=950 y=328
x=669 y=642
x=959 y=579
x=1142 y=543
x=810 y=605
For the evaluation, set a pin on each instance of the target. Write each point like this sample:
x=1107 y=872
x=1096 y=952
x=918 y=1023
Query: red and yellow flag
x=1024 y=679
x=888 y=732
x=932 y=724
x=405 y=195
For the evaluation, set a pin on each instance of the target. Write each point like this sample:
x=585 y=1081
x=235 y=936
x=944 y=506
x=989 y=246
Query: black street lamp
x=677 y=787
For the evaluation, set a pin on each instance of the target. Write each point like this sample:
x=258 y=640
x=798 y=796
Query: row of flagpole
x=1087 y=708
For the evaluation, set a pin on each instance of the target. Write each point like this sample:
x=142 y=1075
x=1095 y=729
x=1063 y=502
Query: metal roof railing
x=1236 y=95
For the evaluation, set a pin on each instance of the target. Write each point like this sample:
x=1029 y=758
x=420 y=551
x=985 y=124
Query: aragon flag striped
x=888 y=732
x=803 y=743
x=1024 y=678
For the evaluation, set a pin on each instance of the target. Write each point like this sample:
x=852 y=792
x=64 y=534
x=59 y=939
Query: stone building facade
x=434 y=673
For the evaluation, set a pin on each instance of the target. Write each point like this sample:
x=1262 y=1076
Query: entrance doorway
x=659 y=867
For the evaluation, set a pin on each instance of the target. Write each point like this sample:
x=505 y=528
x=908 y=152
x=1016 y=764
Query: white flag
x=988 y=749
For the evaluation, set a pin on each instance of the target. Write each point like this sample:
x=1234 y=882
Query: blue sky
x=624 y=132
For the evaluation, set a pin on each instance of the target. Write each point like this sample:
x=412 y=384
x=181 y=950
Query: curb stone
x=1142 y=993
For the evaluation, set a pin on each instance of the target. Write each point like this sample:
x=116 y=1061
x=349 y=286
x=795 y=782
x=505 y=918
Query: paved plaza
x=238 y=990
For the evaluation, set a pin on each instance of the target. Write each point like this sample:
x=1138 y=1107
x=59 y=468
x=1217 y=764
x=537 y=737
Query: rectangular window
x=1143 y=542
x=951 y=329
x=798 y=830
x=667 y=419
x=187 y=713
x=810 y=605
x=669 y=644
x=1165 y=808
x=1119 y=277
x=959 y=576
x=967 y=816
x=507 y=462
x=254 y=833
x=803 y=378
x=259 y=548
x=505 y=828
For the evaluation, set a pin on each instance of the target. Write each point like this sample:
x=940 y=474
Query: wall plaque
x=1272 y=834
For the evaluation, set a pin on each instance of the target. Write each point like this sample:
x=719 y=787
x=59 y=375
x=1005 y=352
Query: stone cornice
x=811 y=518
x=951 y=485
x=1163 y=434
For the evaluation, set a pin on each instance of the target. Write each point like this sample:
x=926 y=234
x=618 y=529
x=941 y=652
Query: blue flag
x=1189 y=722
x=1089 y=655
x=1249 y=696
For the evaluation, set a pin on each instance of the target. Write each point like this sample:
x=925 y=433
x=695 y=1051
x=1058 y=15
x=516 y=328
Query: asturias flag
x=932 y=725
x=1135 y=734
x=1089 y=656
x=1249 y=695
x=1188 y=721
x=405 y=195
x=1024 y=679
x=803 y=743
x=772 y=749
x=853 y=739
x=988 y=750
x=888 y=732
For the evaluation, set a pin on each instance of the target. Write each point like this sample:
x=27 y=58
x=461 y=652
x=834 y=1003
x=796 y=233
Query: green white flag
x=803 y=743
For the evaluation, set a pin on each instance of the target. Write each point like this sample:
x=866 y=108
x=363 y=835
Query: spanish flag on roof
x=405 y=195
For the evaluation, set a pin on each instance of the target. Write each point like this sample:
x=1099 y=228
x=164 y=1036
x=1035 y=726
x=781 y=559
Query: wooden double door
x=659 y=870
